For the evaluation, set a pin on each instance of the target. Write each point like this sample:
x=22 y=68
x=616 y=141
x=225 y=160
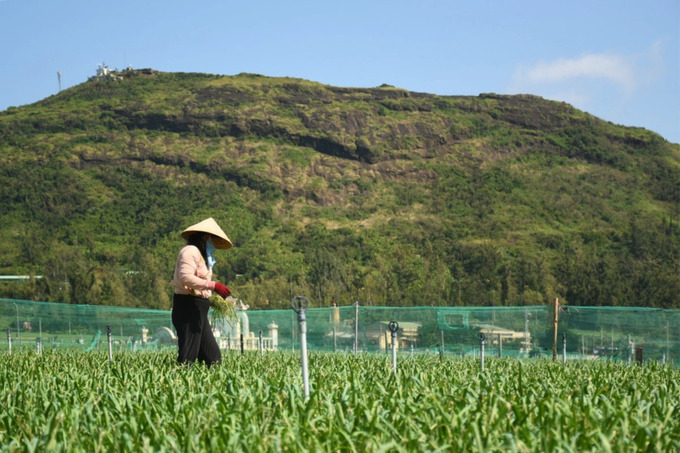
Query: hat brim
x=221 y=241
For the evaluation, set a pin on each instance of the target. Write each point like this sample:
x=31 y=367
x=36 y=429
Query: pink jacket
x=191 y=273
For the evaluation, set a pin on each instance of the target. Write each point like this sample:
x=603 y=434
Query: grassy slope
x=376 y=194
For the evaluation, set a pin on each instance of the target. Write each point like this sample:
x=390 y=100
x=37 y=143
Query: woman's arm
x=191 y=271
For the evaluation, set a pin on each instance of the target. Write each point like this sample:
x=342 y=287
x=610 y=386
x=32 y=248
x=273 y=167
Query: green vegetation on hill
x=380 y=195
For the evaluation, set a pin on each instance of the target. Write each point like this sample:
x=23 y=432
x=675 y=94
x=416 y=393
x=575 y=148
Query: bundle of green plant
x=223 y=309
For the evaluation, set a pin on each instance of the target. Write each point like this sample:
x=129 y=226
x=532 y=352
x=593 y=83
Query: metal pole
x=441 y=346
x=108 y=338
x=527 y=344
x=387 y=340
x=394 y=326
x=18 y=331
x=668 y=349
x=261 y=348
x=631 y=348
x=242 y=348
x=356 y=327
x=481 y=350
x=500 y=345
x=335 y=338
x=583 y=346
x=564 y=348
x=9 y=341
x=292 y=334
x=300 y=304
x=555 y=324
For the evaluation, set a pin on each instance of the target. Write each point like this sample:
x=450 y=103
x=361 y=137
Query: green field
x=76 y=401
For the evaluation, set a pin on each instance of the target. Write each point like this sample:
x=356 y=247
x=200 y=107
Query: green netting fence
x=617 y=333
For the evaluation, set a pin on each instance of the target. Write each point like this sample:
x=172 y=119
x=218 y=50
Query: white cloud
x=632 y=89
x=609 y=67
x=591 y=72
x=608 y=85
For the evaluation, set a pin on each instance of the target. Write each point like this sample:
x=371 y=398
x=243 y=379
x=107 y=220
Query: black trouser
x=195 y=339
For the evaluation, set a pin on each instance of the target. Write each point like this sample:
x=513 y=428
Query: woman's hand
x=222 y=290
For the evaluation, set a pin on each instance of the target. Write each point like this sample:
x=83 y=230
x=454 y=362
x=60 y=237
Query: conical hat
x=221 y=241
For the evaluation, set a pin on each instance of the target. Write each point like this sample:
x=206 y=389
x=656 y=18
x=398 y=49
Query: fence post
x=260 y=344
x=564 y=348
x=108 y=338
x=556 y=310
x=300 y=304
x=667 y=356
x=356 y=327
x=631 y=348
x=335 y=338
x=40 y=340
x=583 y=347
x=9 y=341
x=394 y=326
x=441 y=347
x=481 y=350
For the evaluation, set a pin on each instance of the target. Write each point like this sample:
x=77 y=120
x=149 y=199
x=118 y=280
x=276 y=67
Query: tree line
x=344 y=266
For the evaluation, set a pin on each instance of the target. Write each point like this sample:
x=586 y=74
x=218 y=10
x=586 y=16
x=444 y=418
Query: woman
x=193 y=288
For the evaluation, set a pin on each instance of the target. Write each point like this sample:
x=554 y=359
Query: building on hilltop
x=106 y=73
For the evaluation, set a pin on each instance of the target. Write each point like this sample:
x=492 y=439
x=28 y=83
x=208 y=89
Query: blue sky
x=618 y=60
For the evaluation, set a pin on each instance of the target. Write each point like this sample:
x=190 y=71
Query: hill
x=379 y=195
